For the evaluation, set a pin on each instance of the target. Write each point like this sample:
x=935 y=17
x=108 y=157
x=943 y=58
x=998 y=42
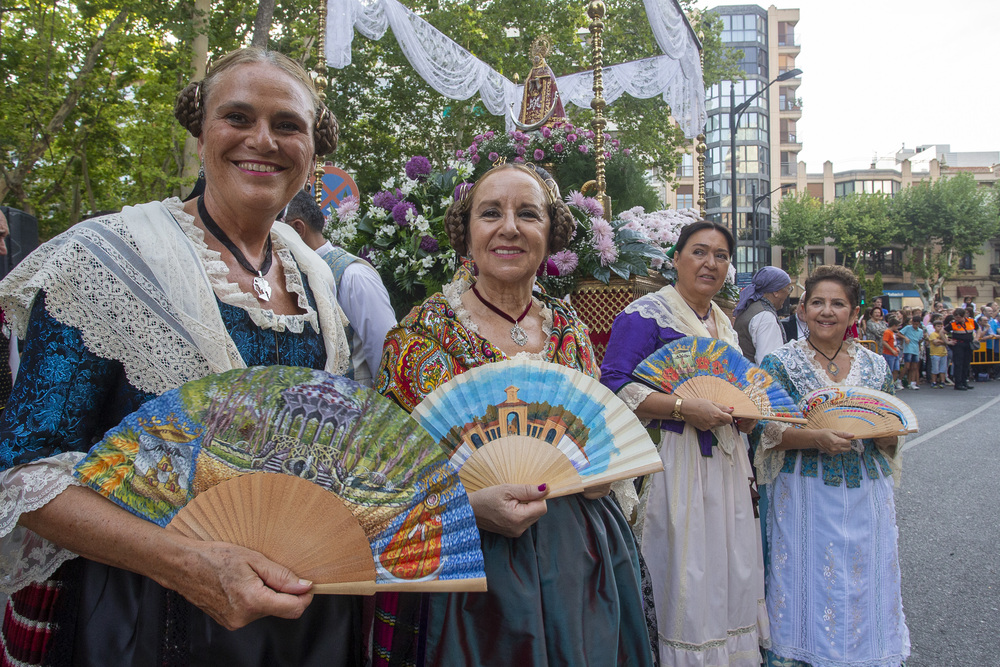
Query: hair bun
x=187 y=108
x=327 y=131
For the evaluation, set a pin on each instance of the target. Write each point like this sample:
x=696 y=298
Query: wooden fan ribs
x=577 y=406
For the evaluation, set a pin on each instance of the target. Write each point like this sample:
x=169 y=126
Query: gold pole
x=320 y=81
x=596 y=11
x=700 y=146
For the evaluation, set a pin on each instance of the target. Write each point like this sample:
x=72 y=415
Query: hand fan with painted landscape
x=532 y=422
x=315 y=471
x=696 y=367
x=865 y=413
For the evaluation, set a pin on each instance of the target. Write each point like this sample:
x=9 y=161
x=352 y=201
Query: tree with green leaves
x=940 y=222
x=858 y=224
x=800 y=224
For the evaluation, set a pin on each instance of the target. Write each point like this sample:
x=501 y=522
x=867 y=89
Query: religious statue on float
x=540 y=105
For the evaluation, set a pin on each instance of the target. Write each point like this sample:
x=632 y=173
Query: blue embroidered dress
x=833 y=577
x=64 y=399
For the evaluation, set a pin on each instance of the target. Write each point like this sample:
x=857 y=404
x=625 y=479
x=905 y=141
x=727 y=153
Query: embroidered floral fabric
x=833 y=578
x=795 y=367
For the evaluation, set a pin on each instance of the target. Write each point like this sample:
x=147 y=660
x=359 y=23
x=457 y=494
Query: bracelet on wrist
x=676 y=414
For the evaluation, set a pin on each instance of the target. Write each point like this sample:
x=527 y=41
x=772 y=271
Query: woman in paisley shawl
x=696 y=527
x=563 y=574
x=124 y=307
x=833 y=580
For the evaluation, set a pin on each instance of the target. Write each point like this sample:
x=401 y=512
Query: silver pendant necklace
x=517 y=334
x=831 y=367
x=260 y=284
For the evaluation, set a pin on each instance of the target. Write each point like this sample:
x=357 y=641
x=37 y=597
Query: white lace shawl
x=141 y=287
x=807 y=374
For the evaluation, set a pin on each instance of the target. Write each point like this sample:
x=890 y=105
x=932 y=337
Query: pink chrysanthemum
x=566 y=261
x=606 y=250
x=348 y=207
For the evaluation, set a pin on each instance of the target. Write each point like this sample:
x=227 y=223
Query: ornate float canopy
x=451 y=70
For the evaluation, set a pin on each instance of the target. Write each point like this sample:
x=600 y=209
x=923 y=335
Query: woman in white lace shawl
x=121 y=308
x=700 y=538
x=833 y=583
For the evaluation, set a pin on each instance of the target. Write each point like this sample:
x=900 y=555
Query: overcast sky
x=878 y=74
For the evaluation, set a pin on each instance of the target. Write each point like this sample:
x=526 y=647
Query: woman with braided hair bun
x=563 y=573
x=124 y=307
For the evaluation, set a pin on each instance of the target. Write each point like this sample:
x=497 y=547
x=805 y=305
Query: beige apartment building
x=978 y=276
x=767 y=166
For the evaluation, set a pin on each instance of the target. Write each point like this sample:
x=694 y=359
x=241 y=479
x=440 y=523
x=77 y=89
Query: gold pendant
x=833 y=368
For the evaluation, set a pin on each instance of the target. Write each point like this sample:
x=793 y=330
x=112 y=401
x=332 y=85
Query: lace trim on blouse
x=453 y=292
x=807 y=374
x=230 y=292
x=25 y=557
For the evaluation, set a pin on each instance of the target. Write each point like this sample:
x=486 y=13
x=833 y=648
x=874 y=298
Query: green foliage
x=800 y=224
x=118 y=144
x=858 y=223
x=940 y=222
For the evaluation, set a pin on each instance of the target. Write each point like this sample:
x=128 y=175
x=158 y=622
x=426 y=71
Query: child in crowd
x=912 y=335
x=890 y=349
x=938 y=344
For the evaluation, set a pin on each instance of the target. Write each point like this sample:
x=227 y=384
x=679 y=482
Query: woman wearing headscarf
x=756 y=313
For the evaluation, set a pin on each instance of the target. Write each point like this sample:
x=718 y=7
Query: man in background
x=360 y=291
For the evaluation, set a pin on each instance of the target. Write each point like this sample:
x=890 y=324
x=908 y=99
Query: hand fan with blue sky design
x=529 y=422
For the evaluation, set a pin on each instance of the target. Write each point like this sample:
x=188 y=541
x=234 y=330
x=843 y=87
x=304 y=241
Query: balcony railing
x=787 y=39
x=788 y=169
x=789 y=138
x=790 y=105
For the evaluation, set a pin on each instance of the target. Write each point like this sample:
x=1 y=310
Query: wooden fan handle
x=775 y=418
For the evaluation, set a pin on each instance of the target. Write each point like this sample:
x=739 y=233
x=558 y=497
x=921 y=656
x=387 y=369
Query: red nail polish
x=542 y=487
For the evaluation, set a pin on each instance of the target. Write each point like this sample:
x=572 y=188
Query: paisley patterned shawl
x=430 y=346
x=795 y=367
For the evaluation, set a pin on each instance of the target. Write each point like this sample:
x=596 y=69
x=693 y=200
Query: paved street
x=949 y=527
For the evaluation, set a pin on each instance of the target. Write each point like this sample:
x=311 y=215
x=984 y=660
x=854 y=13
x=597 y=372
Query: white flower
x=407 y=186
x=388 y=229
x=447 y=201
x=378 y=213
x=389 y=183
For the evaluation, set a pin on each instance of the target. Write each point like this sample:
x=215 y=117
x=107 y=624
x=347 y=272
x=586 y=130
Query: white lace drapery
x=447 y=67
x=457 y=74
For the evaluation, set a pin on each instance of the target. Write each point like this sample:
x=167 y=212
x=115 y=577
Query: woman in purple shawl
x=696 y=522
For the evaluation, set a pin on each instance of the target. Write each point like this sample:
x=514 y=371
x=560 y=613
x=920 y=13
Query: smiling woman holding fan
x=563 y=573
x=833 y=580
x=699 y=536
x=125 y=307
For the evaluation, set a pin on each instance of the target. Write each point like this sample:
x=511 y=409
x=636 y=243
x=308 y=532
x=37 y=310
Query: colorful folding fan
x=864 y=413
x=694 y=367
x=531 y=422
x=315 y=471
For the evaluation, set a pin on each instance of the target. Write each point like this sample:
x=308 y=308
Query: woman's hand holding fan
x=860 y=413
x=508 y=509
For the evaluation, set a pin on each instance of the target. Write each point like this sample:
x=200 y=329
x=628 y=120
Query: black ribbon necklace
x=517 y=334
x=831 y=367
x=260 y=284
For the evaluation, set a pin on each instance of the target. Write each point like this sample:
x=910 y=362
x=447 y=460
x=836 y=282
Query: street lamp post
x=735 y=113
x=753 y=220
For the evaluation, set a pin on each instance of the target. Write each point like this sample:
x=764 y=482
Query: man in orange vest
x=962 y=332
